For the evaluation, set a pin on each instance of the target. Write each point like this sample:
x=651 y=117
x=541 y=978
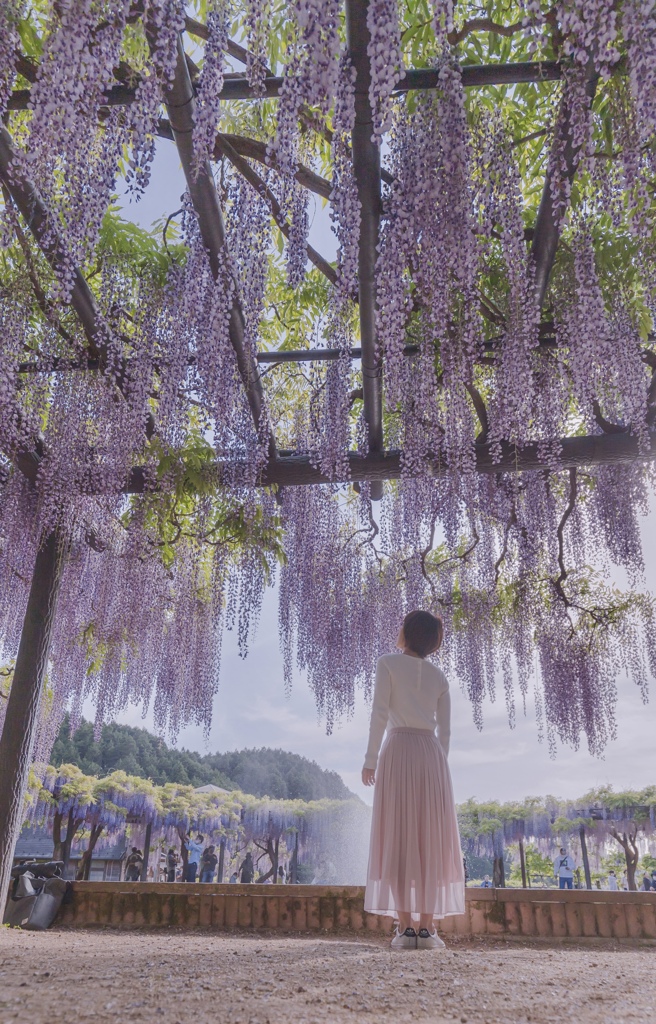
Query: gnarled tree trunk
x=56 y=835
x=62 y=847
x=272 y=850
x=184 y=853
x=627 y=841
x=84 y=867
x=73 y=825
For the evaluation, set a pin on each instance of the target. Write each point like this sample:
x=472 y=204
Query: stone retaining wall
x=509 y=913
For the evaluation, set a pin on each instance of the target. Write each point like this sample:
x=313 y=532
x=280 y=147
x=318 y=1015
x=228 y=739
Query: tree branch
x=558 y=583
x=606 y=425
x=484 y=25
x=481 y=412
x=39 y=294
x=260 y=186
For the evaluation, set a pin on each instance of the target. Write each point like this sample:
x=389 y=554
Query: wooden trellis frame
x=282 y=469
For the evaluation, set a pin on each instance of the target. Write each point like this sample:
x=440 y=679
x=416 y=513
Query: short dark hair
x=422 y=632
x=201 y=837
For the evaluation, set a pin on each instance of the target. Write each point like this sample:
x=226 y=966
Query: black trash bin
x=36 y=895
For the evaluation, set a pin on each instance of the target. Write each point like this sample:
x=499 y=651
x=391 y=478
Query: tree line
x=261 y=772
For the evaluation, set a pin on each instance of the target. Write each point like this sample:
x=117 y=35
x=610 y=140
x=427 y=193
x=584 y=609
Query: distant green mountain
x=262 y=772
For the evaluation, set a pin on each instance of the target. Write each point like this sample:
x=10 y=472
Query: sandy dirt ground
x=53 y=976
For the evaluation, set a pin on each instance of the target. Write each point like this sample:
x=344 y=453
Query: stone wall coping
x=473 y=894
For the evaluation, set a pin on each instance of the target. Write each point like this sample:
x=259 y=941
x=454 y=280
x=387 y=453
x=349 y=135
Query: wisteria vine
x=147 y=456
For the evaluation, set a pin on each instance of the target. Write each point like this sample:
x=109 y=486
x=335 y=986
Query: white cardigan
x=411 y=693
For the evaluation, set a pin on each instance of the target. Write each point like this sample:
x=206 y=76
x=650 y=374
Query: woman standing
x=415 y=863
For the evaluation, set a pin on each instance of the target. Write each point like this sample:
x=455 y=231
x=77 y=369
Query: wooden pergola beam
x=29 y=203
x=237 y=87
x=299 y=471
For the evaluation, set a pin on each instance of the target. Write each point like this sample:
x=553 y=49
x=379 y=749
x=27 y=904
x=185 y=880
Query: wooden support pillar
x=366 y=168
x=294 y=870
x=546 y=234
x=21 y=720
x=522 y=861
x=498 y=866
x=144 y=866
x=222 y=846
x=585 y=858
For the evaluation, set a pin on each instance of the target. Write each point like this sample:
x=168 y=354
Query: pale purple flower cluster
x=590 y=31
x=310 y=79
x=499 y=205
x=257 y=19
x=11 y=11
x=504 y=557
x=385 y=59
x=429 y=258
x=572 y=130
x=345 y=210
x=639 y=30
x=208 y=92
x=163 y=21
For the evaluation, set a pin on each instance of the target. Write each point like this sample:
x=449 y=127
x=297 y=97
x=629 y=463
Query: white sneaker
x=404 y=940
x=429 y=940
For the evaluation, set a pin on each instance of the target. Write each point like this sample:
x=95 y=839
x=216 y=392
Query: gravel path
x=53 y=977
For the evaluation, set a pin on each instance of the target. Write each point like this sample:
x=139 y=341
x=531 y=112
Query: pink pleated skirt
x=415 y=861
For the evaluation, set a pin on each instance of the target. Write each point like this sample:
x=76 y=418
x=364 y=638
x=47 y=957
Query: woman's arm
x=444 y=720
x=379 y=714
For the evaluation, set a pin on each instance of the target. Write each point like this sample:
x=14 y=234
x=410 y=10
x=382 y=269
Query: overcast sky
x=252 y=710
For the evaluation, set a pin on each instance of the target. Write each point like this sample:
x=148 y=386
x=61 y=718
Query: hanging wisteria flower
x=257 y=20
x=345 y=212
x=210 y=83
x=385 y=59
x=572 y=141
x=639 y=30
x=125 y=425
x=590 y=30
x=11 y=11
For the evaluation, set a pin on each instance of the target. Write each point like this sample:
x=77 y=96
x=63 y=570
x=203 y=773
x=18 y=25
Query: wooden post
x=294 y=871
x=498 y=866
x=522 y=861
x=222 y=846
x=21 y=720
x=584 y=855
x=144 y=866
x=366 y=169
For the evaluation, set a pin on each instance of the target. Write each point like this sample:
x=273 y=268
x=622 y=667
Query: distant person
x=208 y=864
x=282 y=876
x=247 y=870
x=646 y=882
x=653 y=880
x=564 y=868
x=325 y=874
x=171 y=864
x=415 y=862
x=133 y=865
x=486 y=883
x=612 y=881
x=195 y=851
x=234 y=878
